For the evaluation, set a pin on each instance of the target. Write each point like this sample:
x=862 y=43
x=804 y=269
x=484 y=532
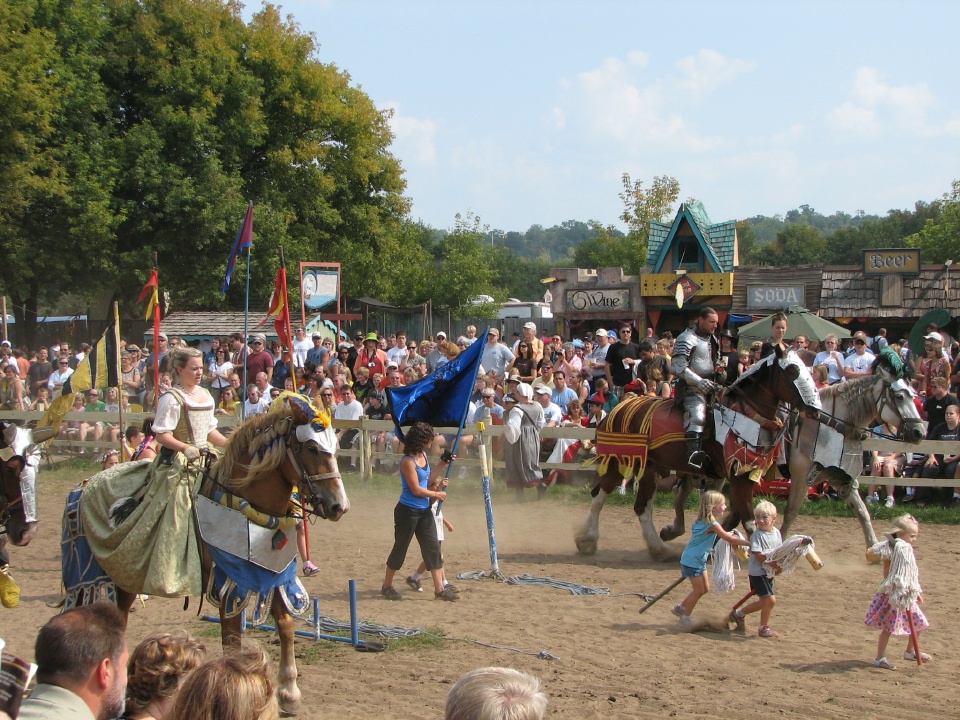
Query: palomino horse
x=820 y=453
x=648 y=434
x=246 y=515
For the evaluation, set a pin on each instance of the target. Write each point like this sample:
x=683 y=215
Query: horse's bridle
x=308 y=495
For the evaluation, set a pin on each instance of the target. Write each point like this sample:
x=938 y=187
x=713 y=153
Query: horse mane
x=259 y=444
x=858 y=396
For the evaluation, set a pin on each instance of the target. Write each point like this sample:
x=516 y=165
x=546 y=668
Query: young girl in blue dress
x=693 y=563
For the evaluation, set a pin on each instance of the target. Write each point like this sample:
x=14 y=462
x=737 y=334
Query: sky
x=527 y=112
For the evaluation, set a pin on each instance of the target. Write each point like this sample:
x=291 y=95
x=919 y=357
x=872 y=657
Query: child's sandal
x=884 y=663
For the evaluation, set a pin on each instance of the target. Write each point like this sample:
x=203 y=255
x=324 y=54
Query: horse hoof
x=289 y=705
x=669 y=533
x=587 y=547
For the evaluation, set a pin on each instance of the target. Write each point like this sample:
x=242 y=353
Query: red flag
x=151 y=290
x=280 y=308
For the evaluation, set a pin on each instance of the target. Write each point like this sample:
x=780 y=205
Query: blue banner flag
x=243 y=240
x=441 y=398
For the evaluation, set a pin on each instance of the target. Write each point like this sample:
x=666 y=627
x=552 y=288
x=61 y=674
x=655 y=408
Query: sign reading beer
x=774 y=296
x=897 y=261
x=597 y=299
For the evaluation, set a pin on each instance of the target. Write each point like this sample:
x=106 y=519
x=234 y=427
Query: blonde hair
x=158 y=664
x=496 y=693
x=238 y=686
x=708 y=501
x=904 y=523
x=765 y=507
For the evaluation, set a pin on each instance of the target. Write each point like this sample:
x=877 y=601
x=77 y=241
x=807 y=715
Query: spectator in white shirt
x=59 y=376
x=255 y=404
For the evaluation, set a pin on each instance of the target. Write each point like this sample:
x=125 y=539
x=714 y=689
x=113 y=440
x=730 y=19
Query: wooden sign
x=896 y=261
x=597 y=299
x=774 y=296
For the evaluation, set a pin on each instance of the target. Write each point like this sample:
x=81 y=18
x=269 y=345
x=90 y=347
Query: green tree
x=465 y=270
x=640 y=208
x=939 y=240
x=56 y=164
x=796 y=244
x=607 y=248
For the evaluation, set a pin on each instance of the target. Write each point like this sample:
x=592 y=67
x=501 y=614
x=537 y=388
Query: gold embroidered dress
x=154 y=550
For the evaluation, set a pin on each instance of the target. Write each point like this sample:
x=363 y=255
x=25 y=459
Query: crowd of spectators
x=245 y=373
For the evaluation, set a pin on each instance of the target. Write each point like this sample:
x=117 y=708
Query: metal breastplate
x=700 y=359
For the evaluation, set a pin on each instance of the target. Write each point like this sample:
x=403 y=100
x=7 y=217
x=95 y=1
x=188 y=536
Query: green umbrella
x=800 y=321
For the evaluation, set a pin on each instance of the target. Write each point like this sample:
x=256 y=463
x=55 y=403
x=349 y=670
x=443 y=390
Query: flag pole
x=463 y=421
x=156 y=339
x=286 y=306
x=120 y=393
x=246 y=323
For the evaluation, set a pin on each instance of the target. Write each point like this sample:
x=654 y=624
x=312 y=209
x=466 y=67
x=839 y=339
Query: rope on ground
x=330 y=626
x=572 y=588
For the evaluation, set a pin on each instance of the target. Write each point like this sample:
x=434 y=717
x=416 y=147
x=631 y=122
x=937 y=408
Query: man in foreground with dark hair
x=81 y=658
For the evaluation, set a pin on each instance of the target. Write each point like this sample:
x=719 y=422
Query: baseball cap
x=162 y=336
x=509 y=398
x=488 y=392
x=392 y=364
x=529 y=326
x=612 y=334
x=5 y=343
x=442 y=334
x=358 y=335
x=934 y=336
x=600 y=333
x=514 y=377
x=316 y=336
x=259 y=337
x=133 y=348
x=543 y=390
x=493 y=331
x=375 y=395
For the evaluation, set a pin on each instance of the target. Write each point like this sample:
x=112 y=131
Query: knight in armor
x=695 y=357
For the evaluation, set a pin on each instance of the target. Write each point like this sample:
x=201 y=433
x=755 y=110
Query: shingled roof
x=206 y=325
x=718 y=240
x=847 y=292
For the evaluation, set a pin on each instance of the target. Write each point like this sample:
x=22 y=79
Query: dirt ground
x=610 y=661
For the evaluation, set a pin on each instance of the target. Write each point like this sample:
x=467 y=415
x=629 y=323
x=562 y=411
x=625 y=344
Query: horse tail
x=121 y=510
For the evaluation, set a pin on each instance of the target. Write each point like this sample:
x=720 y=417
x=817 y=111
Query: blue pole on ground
x=354 y=632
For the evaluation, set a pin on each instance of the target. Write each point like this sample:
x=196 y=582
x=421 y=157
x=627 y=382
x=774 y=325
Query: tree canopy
x=146 y=125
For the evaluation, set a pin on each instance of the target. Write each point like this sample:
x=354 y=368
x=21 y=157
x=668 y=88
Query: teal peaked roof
x=718 y=241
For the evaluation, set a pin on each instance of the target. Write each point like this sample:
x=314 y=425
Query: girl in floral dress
x=899 y=596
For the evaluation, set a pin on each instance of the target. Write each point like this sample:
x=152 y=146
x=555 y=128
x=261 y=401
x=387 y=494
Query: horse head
x=314 y=446
x=897 y=400
x=780 y=377
x=12 y=515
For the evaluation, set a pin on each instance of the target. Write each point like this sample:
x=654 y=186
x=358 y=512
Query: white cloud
x=622 y=100
x=706 y=71
x=415 y=138
x=876 y=106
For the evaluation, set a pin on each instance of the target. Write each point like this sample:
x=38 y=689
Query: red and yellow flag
x=151 y=290
x=280 y=308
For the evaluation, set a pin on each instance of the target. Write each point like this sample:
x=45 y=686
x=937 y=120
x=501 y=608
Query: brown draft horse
x=778 y=378
x=13 y=521
x=264 y=459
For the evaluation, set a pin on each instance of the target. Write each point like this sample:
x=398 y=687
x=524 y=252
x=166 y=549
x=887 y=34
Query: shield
x=800 y=321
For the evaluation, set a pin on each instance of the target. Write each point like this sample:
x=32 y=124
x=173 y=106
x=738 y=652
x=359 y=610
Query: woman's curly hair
x=418 y=438
x=158 y=664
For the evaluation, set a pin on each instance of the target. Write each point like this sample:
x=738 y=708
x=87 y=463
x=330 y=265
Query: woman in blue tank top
x=412 y=516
